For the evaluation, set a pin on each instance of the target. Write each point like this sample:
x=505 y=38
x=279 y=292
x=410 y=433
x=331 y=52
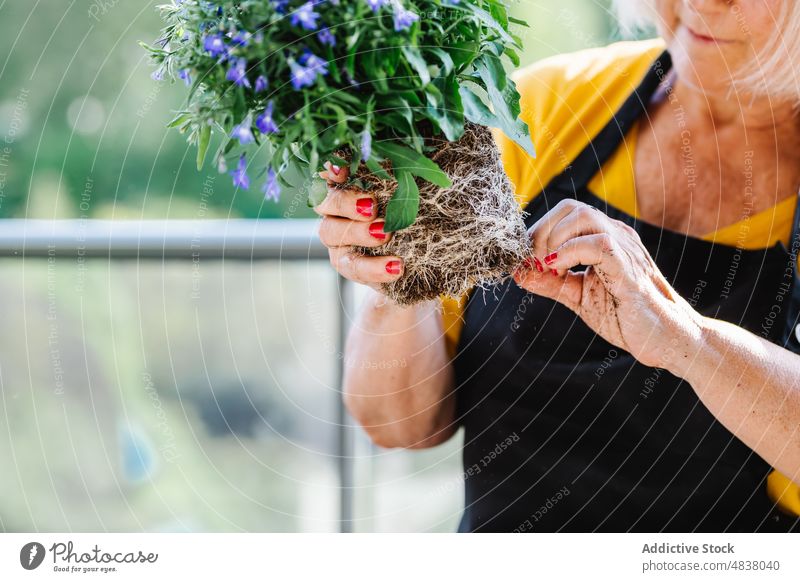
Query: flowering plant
x=310 y=79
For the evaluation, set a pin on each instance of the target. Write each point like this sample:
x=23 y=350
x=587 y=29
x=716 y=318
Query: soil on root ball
x=469 y=234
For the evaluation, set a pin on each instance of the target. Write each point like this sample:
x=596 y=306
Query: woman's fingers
x=342 y=232
x=349 y=220
x=599 y=250
x=349 y=203
x=540 y=232
x=334 y=174
x=566 y=290
x=583 y=220
x=367 y=270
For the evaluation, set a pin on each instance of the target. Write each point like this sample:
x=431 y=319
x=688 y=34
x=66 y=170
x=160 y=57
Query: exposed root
x=470 y=234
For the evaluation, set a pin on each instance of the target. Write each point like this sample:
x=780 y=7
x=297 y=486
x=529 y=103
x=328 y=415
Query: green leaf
x=446 y=109
x=504 y=98
x=498 y=12
x=477 y=112
x=293 y=174
x=512 y=54
x=355 y=162
x=339 y=161
x=445 y=58
x=402 y=209
x=491 y=70
x=203 y=140
x=486 y=19
x=179 y=120
x=376 y=169
x=317 y=192
x=463 y=53
x=391 y=59
x=406 y=159
x=416 y=60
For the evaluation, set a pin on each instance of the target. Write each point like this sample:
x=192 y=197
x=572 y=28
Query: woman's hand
x=349 y=219
x=621 y=295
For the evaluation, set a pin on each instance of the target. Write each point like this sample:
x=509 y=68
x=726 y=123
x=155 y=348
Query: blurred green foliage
x=83 y=127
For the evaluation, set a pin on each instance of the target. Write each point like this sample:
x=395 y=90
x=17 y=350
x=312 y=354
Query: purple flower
x=214 y=45
x=326 y=37
x=240 y=179
x=261 y=84
x=403 y=19
x=313 y=62
x=271 y=188
x=186 y=75
x=157 y=75
x=280 y=6
x=376 y=4
x=302 y=76
x=237 y=73
x=243 y=133
x=452 y=2
x=366 y=145
x=239 y=39
x=265 y=123
x=305 y=16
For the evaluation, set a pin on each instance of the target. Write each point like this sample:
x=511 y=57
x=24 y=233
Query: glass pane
x=405 y=491
x=408 y=491
x=141 y=396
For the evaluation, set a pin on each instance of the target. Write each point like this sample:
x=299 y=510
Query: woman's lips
x=705 y=38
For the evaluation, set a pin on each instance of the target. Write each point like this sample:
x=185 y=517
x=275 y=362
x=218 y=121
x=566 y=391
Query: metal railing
x=236 y=239
x=239 y=239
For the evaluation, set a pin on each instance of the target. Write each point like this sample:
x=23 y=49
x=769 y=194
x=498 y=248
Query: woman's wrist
x=381 y=313
x=686 y=344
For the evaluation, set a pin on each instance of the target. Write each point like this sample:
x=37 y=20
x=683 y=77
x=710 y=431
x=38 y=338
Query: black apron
x=566 y=432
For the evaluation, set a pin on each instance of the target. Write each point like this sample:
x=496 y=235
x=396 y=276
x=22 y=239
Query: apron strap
x=795 y=223
x=602 y=147
x=791 y=330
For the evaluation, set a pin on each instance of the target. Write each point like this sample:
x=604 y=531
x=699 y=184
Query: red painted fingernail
x=376 y=230
x=538 y=264
x=550 y=258
x=393 y=267
x=364 y=206
x=555 y=273
x=336 y=169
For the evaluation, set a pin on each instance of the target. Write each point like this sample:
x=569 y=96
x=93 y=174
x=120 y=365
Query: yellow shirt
x=566 y=100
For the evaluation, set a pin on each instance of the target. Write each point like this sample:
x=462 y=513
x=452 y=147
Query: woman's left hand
x=621 y=295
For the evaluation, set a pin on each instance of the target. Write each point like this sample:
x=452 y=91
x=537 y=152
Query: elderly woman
x=641 y=371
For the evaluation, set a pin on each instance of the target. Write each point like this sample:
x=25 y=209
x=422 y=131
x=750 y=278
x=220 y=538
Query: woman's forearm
x=751 y=385
x=398 y=378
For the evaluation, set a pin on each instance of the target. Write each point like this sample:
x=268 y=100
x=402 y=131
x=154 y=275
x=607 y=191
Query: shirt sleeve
x=784 y=492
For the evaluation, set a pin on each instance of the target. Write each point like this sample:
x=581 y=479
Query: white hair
x=772 y=73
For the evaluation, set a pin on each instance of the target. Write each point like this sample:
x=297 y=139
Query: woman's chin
x=703 y=66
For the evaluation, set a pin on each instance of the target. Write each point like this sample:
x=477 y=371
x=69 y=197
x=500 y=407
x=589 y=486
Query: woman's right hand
x=349 y=219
